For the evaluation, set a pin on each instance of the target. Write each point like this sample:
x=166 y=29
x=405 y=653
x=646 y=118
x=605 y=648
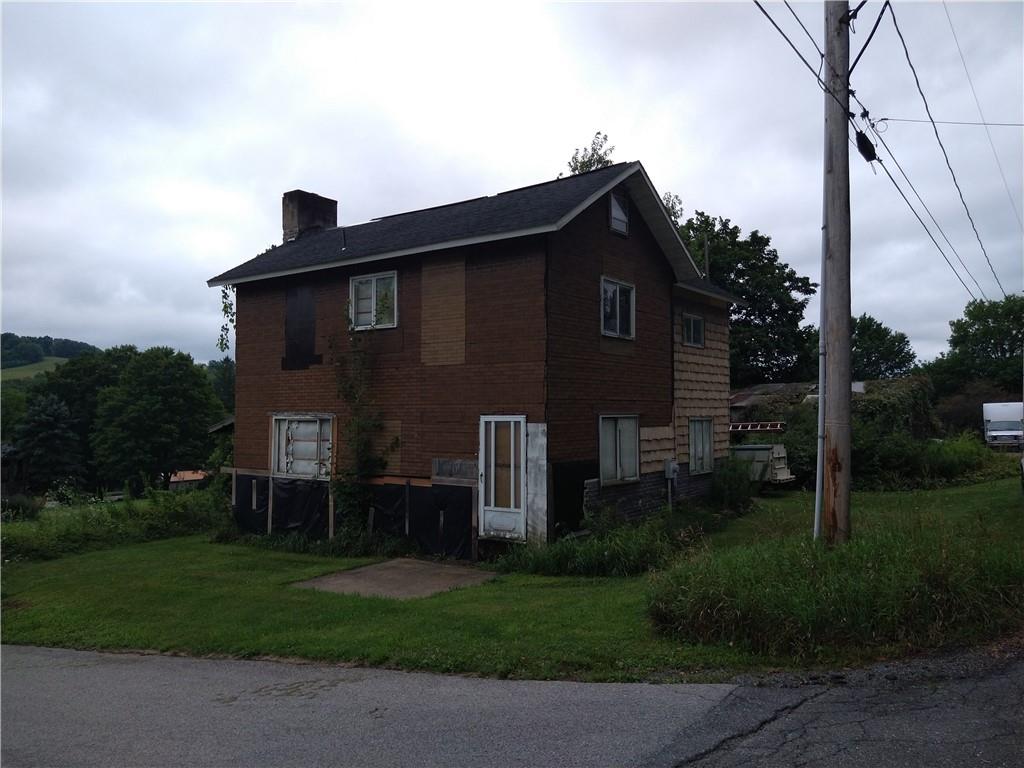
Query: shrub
x=908 y=586
x=731 y=488
x=623 y=551
x=19 y=507
x=65 y=530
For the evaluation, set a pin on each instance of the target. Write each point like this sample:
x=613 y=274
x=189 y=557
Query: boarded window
x=620 y=452
x=300 y=329
x=302 y=446
x=701 y=448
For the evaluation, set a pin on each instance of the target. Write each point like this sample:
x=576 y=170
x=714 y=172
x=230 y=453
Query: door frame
x=485 y=475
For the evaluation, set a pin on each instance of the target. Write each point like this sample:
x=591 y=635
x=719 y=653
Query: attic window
x=374 y=301
x=618 y=214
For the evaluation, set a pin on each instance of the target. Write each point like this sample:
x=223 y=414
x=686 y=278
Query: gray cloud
x=145 y=147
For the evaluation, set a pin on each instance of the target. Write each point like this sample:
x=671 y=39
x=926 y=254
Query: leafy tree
x=154 y=421
x=24 y=352
x=78 y=383
x=673 y=207
x=986 y=344
x=597 y=155
x=222 y=378
x=46 y=444
x=876 y=352
x=13 y=406
x=766 y=340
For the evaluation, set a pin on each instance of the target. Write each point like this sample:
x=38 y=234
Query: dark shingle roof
x=540 y=205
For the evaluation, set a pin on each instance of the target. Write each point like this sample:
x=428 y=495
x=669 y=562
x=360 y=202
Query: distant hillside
x=30 y=370
x=18 y=351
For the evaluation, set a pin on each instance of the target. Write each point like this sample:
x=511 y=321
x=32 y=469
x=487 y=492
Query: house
x=535 y=353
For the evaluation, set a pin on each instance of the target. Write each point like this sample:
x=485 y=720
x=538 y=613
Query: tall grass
x=66 y=530
x=908 y=586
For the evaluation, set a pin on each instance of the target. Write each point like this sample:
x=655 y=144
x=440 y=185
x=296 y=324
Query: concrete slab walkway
x=402 y=579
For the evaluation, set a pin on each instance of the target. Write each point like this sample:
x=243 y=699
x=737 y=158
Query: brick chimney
x=303 y=212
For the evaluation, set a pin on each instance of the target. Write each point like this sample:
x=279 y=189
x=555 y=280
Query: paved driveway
x=86 y=709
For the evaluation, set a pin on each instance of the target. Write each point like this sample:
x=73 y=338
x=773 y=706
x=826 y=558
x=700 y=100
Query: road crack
x=751 y=731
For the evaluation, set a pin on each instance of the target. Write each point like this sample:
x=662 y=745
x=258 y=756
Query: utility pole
x=835 y=504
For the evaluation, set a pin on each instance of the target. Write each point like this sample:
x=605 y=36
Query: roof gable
x=537 y=209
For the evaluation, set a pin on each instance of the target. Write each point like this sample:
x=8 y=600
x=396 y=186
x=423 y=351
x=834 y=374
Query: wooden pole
x=836 y=289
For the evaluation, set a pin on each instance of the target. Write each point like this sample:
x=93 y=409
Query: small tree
x=597 y=155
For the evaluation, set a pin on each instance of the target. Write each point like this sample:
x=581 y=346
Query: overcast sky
x=146 y=147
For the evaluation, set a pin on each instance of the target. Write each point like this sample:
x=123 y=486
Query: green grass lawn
x=191 y=596
x=997 y=505
x=28 y=371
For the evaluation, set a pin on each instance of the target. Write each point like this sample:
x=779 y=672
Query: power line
x=924 y=205
x=928 y=231
x=809 y=35
x=871 y=34
x=977 y=103
x=846 y=107
x=851 y=120
x=948 y=122
x=935 y=128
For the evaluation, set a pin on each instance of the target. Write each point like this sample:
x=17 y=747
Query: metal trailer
x=768 y=463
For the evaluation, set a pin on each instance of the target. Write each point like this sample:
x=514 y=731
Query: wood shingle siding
x=701 y=376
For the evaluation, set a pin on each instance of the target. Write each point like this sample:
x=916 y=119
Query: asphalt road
x=74 y=708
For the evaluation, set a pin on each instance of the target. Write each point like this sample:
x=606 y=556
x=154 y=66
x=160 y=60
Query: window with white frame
x=374 y=300
x=620 y=449
x=701 y=448
x=618 y=213
x=618 y=308
x=693 y=330
x=302 y=446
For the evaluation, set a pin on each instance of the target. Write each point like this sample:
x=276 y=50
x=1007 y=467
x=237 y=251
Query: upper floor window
x=618 y=214
x=693 y=330
x=302 y=446
x=374 y=300
x=618 y=308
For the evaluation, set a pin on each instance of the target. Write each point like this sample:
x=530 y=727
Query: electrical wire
x=977 y=103
x=846 y=107
x=865 y=116
x=926 y=208
x=948 y=122
x=871 y=34
x=935 y=128
x=928 y=231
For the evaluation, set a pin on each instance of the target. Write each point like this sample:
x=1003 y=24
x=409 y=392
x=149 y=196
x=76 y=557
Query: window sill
x=608 y=335
x=374 y=327
x=613 y=483
x=691 y=345
x=283 y=476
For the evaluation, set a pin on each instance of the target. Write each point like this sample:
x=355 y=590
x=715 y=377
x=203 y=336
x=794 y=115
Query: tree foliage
x=597 y=155
x=876 y=351
x=77 y=383
x=46 y=445
x=766 y=339
x=155 y=420
x=221 y=374
x=23 y=350
x=985 y=344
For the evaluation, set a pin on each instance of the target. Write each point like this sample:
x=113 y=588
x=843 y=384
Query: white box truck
x=1004 y=425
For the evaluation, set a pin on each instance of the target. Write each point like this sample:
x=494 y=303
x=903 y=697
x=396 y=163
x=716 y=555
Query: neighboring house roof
x=704 y=287
x=188 y=476
x=536 y=209
x=227 y=424
x=795 y=392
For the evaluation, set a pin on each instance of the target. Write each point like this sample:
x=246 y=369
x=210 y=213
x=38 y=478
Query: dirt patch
x=400 y=579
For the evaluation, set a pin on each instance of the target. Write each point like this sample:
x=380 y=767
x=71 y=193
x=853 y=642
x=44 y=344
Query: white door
x=502 y=462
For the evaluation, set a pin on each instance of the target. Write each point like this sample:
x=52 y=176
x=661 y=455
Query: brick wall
x=630 y=501
x=588 y=373
x=433 y=408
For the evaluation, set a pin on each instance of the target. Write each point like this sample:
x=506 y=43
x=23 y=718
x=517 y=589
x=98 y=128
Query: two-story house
x=535 y=352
